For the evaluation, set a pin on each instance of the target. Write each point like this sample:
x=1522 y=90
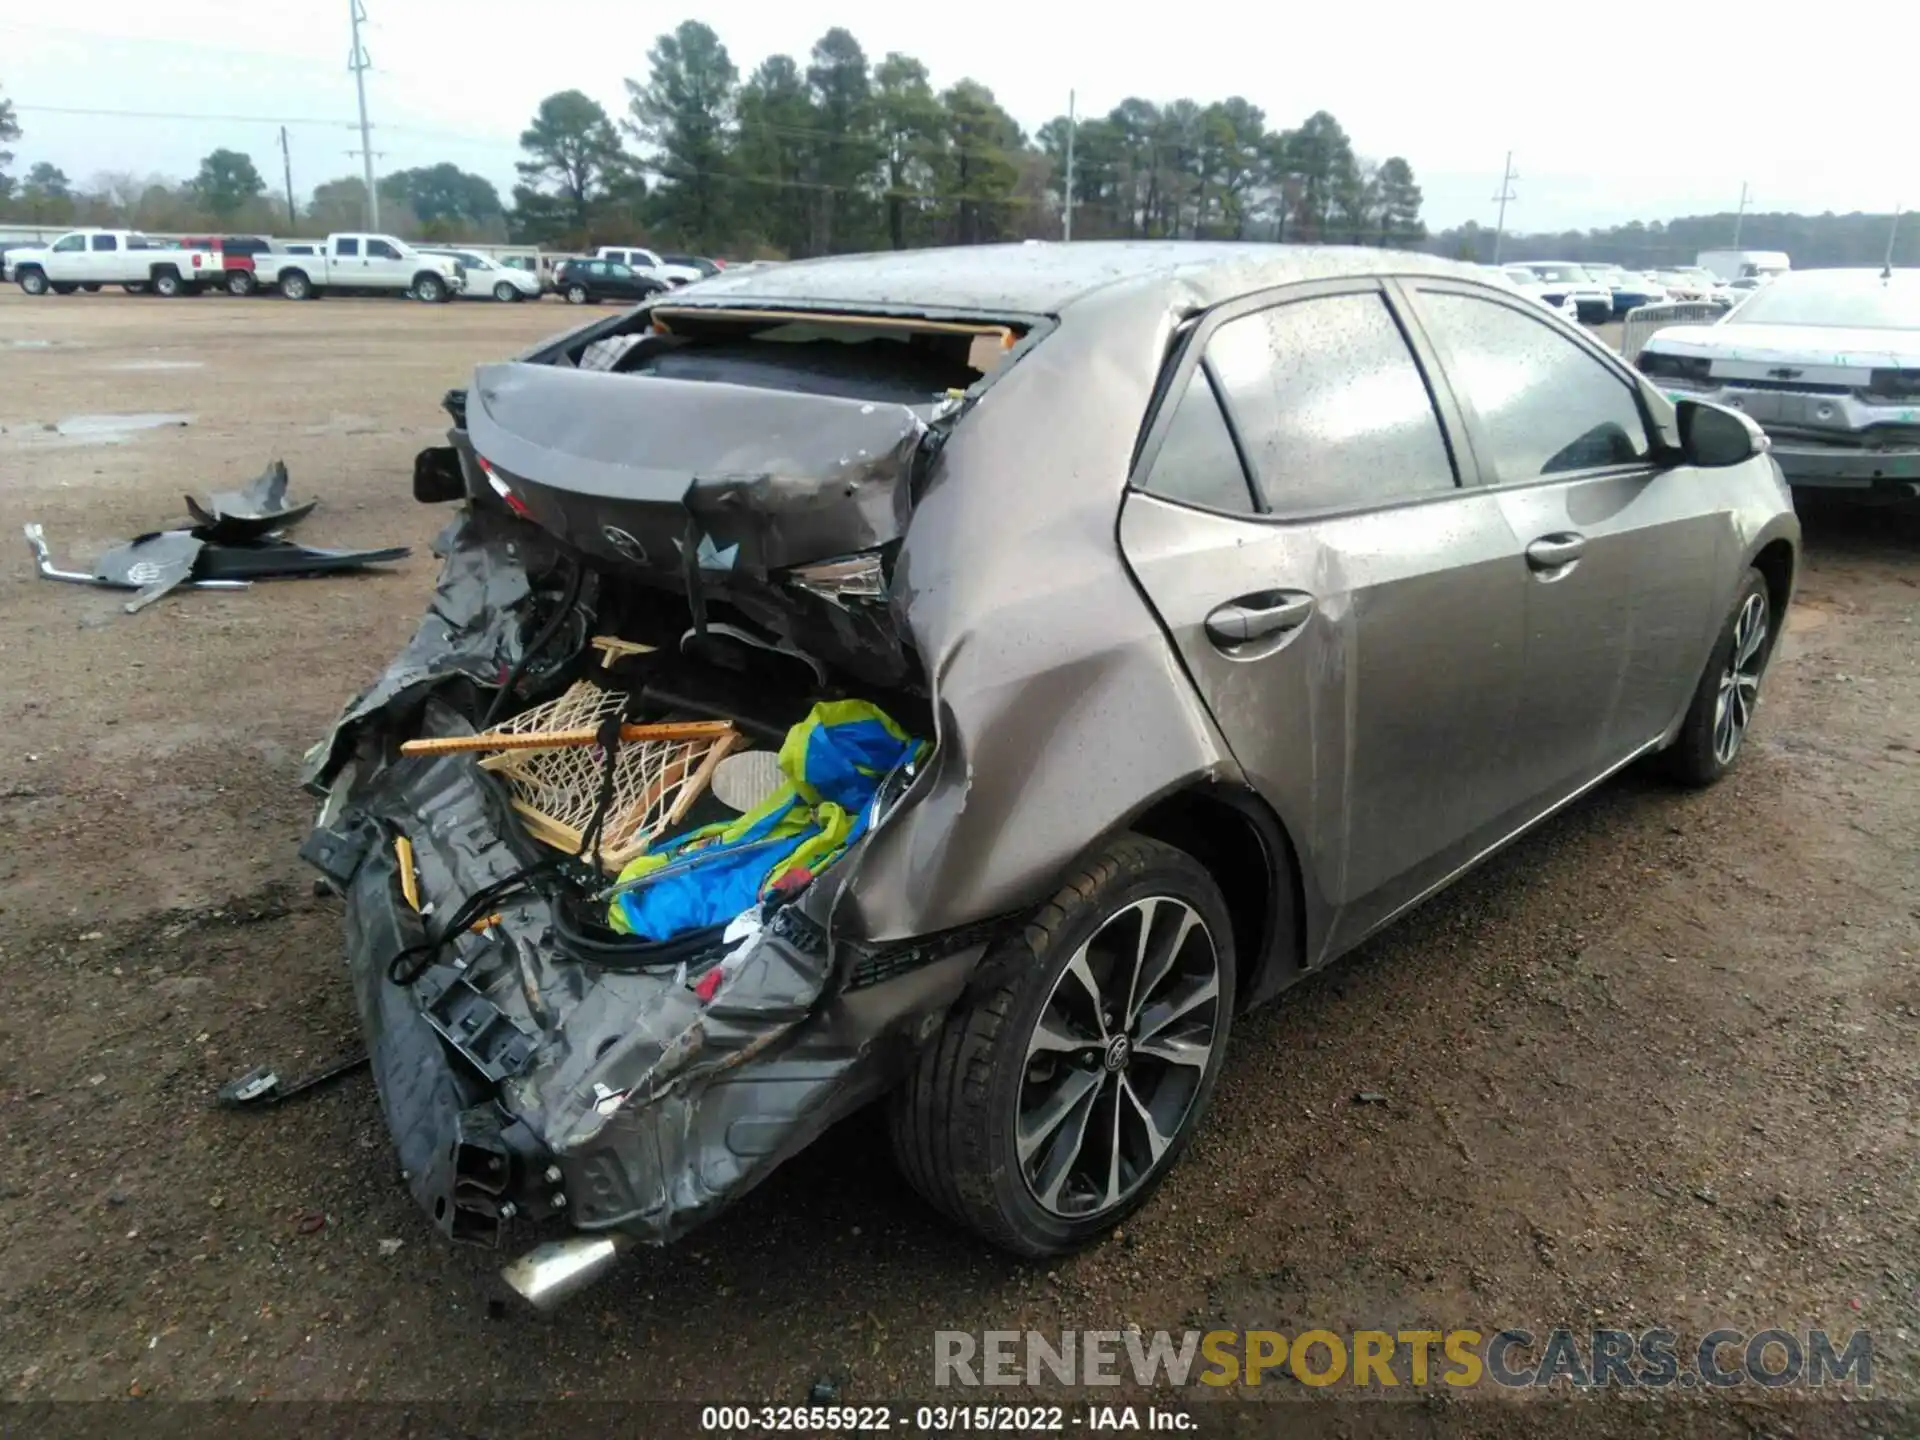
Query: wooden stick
x=565 y=739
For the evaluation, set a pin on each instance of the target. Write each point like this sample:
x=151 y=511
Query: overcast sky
x=1613 y=112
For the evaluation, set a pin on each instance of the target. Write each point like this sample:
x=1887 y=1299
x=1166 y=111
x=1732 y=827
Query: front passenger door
x=1351 y=617
x=385 y=267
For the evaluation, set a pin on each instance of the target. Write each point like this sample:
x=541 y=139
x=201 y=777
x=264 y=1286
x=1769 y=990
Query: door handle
x=1256 y=617
x=1550 y=552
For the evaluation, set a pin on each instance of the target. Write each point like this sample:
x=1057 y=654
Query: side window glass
x=1546 y=405
x=67 y=244
x=1197 y=464
x=380 y=250
x=1329 y=404
x=106 y=242
x=348 y=247
x=619 y=272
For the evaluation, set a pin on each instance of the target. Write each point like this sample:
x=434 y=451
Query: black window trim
x=1487 y=476
x=1190 y=353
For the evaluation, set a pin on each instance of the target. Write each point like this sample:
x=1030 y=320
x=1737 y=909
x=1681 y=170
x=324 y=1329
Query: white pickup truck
x=362 y=262
x=88 y=259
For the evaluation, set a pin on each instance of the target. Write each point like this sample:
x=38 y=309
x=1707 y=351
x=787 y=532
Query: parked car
x=638 y=258
x=1534 y=288
x=706 y=267
x=235 y=272
x=1827 y=362
x=1216 y=656
x=1630 y=289
x=87 y=259
x=1744 y=264
x=354 y=261
x=1562 y=280
x=593 y=281
x=487 y=278
x=1693 y=285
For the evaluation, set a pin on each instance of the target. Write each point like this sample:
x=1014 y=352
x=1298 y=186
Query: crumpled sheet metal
x=236 y=516
x=784 y=476
x=661 y=1107
x=1060 y=709
x=472 y=627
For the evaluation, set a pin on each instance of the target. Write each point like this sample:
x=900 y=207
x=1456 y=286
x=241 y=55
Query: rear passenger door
x=1621 y=556
x=104 y=263
x=1349 y=612
x=346 y=265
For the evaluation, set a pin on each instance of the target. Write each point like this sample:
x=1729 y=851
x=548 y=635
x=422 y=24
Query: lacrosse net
x=555 y=790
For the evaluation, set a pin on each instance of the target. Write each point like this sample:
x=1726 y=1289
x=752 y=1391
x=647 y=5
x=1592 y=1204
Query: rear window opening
x=899 y=360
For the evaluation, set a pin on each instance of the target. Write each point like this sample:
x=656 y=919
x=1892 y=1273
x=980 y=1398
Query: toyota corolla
x=970 y=679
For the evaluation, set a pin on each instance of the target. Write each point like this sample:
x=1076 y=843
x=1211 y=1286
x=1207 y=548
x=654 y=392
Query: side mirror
x=1712 y=435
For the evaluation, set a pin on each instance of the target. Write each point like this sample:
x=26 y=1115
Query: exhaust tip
x=547 y=1275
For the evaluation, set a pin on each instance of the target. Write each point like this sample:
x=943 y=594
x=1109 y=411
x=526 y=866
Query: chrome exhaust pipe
x=552 y=1272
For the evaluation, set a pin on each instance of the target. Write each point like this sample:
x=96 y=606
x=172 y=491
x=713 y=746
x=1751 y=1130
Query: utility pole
x=1893 y=230
x=1507 y=177
x=286 y=165
x=1739 y=214
x=359 y=63
x=1066 y=222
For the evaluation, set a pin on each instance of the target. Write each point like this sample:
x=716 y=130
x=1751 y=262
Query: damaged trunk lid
x=663 y=477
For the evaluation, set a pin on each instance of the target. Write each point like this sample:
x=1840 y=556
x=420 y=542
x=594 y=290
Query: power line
x=180 y=115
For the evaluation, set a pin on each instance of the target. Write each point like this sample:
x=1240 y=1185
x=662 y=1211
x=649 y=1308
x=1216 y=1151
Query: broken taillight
x=504 y=490
x=851 y=577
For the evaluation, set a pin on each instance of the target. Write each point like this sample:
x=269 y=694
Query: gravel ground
x=1653 y=1065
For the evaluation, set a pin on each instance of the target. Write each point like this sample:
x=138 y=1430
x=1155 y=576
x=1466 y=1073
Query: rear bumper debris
x=518 y=1083
x=526 y=1088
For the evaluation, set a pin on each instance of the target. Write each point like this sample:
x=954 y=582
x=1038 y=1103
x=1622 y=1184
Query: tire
x=295 y=285
x=34 y=282
x=91 y=289
x=1715 y=730
x=993 y=1069
x=576 y=294
x=429 y=289
x=64 y=289
x=168 y=285
x=505 y=293
x=241 y=283
x=135 y=289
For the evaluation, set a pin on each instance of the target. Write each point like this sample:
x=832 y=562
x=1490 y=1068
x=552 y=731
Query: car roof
x=1047 y=278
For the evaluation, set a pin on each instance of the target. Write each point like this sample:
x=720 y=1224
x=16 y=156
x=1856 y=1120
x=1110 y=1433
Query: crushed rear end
x=699 y=512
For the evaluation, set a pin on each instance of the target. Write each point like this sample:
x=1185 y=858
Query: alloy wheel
x=1117 y=1057
x=1739 y=689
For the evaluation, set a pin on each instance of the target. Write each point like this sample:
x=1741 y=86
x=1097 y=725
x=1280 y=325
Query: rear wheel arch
x=1775 y=563
x=1244 y=846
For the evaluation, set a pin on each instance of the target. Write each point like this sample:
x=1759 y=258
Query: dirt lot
x=1655 y=1065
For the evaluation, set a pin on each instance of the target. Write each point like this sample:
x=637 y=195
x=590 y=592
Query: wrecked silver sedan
x=973 y=677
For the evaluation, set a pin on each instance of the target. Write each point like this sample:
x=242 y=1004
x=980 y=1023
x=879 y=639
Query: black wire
x=412 y=962
x=540 y=642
